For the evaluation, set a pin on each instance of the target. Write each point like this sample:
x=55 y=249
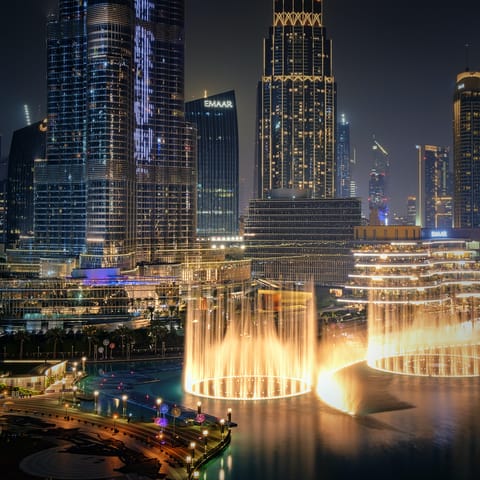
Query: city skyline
x=395 y=68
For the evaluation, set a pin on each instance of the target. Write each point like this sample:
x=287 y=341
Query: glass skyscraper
x=117 y=186
x=215 y=117
x=378 y=186
x=296 y=105
x=466 y=150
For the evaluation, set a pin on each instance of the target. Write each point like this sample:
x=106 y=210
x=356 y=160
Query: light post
x=229 y=418
x=115 y=416
x=199 y=408
x=84 y=359
x=222 y=426
x=95 y=399
x=124 y=405
x=196 y=474
x=66 y=411
x=205 y=435
x=74 y=390
x=192 y=446
x=188 y=460
x=159 y=403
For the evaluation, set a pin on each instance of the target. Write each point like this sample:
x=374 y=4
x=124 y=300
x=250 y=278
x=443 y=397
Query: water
x=407 y=428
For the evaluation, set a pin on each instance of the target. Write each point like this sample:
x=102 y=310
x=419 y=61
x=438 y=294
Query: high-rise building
x=466 y=150
x=296 y=105
x=118 y=183
x=28 y=144
x=435 y=195
x=411 y=210
x=343 y=165
x=215 y=117
x=377 y=185
x=165 y=147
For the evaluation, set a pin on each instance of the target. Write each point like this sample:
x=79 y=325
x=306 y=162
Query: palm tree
x=21 y=336
x=90 y=331
x=157 y=332
x=125 y=335
x=55 y=335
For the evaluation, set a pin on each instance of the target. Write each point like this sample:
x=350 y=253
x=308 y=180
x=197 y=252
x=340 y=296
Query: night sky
x=395 y=64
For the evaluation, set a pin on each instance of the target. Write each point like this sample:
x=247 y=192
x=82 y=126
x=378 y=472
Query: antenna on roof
x=467 y=68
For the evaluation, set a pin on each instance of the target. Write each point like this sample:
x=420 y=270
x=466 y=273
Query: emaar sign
x=218 y=104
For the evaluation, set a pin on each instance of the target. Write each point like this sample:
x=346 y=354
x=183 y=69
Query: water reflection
x=406 y=428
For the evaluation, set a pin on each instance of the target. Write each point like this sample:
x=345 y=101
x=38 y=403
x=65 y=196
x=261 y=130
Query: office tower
x=435 y=196
x=296 y=105
x=28 y=144
x=466 y=150
x=377 y=185
x=215 y=117
x=118 y=182
x=343 y=171
x=165 y=147
x=411 y=210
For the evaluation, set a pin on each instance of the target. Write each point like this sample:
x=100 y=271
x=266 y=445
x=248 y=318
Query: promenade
x=106 y=447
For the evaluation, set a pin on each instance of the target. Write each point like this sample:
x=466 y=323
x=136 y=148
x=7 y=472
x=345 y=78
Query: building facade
x=215 y=118
x=344 y=161
x=466 y=150
x=118 y=183
x=377 y=184
x=435 y=192
x=28 y=144
x=297 y=104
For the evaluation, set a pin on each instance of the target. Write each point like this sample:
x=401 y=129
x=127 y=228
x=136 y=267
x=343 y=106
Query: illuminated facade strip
x=303 y=19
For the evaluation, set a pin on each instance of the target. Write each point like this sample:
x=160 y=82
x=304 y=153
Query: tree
x=125 y=335
x=55 y=335
x=157 y=332
x=90 y=331
x=21 y=336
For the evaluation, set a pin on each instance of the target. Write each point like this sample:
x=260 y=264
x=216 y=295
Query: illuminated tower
x=216 y=120
x=435 y=200
x=466 y=150
x=296 y=105
x=118 y=185
x=377 y=185
x=343 y=173
x=165 y=147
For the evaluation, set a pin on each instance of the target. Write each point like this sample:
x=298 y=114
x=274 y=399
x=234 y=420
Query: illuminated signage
x=218 y=104
x=461 y=86
x=439 y=234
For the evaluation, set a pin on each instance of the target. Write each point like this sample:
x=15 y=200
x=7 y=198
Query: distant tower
x=377 y=186
x=435 y=195
x=466 y=150
x=217 y=163
x=343 y=173
x=411 y=210
x=296 y=105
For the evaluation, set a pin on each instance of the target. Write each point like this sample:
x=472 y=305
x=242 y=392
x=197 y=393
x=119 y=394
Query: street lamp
x=95 y=399
x=188 y=460
x=192 y=446
x=222 y=426
x=159 y=402
x=74 y=389
x=84 y=359
x=205 y=435
x=115 y=416
x=196 y=474
x=229 y=418
x=199 y=408
x=124 y=405
x=66 y=411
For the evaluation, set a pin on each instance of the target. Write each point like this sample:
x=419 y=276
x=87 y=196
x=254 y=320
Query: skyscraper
x=28 y=144
x=296 y=105
x=377 y=185
x=215 y=117
x=343 y=173
x=435 y=196
x=466 y=150
x=118 y=182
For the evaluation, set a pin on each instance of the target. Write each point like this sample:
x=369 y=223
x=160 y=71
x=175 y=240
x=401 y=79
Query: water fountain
x=423 y=308
x=244 y=343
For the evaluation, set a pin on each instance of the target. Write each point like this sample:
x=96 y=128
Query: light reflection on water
x=408 y=428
